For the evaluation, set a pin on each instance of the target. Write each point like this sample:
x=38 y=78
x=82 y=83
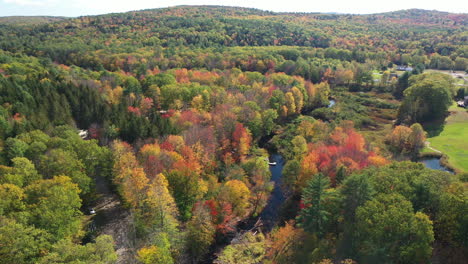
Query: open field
x=453 y=141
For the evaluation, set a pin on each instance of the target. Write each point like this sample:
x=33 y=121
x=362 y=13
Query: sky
x=73 y=8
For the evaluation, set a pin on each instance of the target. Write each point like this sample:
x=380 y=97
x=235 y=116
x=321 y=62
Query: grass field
x=453 y=141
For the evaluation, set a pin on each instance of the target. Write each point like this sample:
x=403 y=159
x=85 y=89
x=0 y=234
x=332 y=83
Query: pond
x=270 y=213
x=434 y=163
x=332 y=103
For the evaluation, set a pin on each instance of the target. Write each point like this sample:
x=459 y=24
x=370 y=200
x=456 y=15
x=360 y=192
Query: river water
x=434 y=163
x=270 y=213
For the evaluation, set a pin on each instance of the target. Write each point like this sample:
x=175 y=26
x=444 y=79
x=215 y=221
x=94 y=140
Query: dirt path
x=428 y=145
x=113 y=219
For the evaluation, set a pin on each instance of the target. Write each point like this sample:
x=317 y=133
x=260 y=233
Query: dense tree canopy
x=178 y=131
x=428 y=98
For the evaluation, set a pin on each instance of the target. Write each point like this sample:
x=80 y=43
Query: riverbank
x=442 y=159
x=453 y=140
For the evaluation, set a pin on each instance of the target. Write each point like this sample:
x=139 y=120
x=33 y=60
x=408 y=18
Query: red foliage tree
x=345 y=148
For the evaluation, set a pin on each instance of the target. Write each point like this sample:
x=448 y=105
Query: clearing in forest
x=453 y=140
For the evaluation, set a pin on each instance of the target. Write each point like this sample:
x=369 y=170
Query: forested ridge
x=177 y=112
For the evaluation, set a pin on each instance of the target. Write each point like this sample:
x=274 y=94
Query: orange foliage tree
x=344 y=150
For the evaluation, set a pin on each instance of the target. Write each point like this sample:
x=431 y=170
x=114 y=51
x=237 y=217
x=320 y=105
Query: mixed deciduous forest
x=170 y=135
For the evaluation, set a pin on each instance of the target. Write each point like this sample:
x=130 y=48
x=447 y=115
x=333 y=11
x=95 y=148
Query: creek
x=434 y=163
x=270 y=213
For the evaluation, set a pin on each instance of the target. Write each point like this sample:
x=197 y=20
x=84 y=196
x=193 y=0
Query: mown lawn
x=453 y=141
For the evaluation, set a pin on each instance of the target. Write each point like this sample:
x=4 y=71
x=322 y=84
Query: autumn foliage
x=345 y=148
x=407 y=140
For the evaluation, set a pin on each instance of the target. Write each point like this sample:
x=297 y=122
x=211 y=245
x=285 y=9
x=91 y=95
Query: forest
x=209 y=134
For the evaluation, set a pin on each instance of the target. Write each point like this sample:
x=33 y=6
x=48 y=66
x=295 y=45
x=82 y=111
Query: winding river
x=270 y=213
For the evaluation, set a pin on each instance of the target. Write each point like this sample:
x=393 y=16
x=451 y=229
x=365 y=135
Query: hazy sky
x=94 y=7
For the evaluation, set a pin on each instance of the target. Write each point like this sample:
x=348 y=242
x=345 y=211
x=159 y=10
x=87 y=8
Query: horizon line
x=252 y=8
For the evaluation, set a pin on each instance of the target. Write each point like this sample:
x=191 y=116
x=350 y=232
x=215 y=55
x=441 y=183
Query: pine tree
x=314 y=216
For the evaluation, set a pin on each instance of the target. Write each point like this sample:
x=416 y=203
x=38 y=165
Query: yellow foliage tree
x=237 y=194
x=290 y=103
x=160 y=207
x=133 y=186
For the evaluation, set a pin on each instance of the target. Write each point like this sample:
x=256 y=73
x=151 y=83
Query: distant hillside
x=409 y=16
x=420 y=16
x=405 y=16
x=405 y=36
x=211 y=10
x=29 y=20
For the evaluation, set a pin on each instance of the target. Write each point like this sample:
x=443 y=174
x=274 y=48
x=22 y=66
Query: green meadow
x=453 y=141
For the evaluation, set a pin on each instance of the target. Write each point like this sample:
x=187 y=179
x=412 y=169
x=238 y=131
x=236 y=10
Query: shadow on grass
x=435 y=127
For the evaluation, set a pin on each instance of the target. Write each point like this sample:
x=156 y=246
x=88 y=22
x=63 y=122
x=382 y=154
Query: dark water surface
x=270 y=213
x=434 y=163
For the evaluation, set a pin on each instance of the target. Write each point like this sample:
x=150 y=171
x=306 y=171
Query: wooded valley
x=209 y=134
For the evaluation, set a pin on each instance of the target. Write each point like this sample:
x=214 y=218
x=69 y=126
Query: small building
x=463 y=103
x=83 y=133
x=404 y=68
